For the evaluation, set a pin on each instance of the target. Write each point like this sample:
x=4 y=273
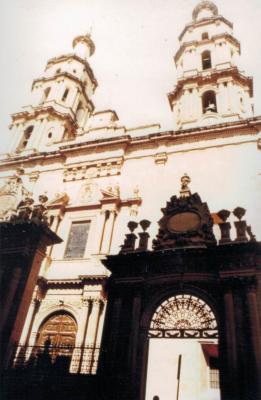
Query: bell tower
x=210 y=89
x=61 y=101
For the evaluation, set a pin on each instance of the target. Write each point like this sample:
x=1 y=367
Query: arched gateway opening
x=183 y=359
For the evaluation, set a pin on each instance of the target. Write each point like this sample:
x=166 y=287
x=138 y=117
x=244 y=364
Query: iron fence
x=56 y=359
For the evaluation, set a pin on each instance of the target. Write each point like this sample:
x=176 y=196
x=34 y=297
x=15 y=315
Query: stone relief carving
x=93 y=170
x=88 y=193
x=12 y=193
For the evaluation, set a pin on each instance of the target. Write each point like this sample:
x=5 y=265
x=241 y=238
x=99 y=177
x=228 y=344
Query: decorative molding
x=34 y=176
x=93 y=170
x=161 y=158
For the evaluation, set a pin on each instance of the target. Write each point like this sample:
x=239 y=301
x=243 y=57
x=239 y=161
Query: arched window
x=204 y=36
x=28 y=131
x=206 y=59
x=26 y=136
x=65 y=94
x=209 y=101
x=46 y=93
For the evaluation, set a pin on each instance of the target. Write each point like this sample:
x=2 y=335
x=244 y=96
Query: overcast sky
x=133 y=62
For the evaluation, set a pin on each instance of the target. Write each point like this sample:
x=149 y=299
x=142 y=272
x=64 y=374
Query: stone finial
x=136 y=191
x=132 y=225
x=239 y=212
x=223 y=214
x=185 y=181
x=145 y=224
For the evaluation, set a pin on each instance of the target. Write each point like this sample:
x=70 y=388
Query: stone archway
x=183 y=350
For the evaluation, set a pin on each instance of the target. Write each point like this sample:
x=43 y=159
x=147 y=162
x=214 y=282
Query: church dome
x=205 y=9
x=84 y=46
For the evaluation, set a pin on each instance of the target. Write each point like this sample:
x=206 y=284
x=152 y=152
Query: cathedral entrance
x=56 y=341
x=183 y=361
x=60 y=329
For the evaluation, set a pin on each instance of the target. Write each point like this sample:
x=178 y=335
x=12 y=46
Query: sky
x=133 y=62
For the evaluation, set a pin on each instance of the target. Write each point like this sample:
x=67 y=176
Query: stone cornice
x=202 y=78
x=72 y=282
x=250 y=126
x=225 y=35
x=65 y=57
x=69 y=76
x=205 y=21
x=48 y=110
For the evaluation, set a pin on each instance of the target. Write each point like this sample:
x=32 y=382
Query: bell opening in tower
x=206 y=60
x=209 y=103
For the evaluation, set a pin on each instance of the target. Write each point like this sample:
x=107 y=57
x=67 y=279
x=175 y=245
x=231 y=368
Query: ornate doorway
x=56 y=341
x=60 y=329
x=183 y=351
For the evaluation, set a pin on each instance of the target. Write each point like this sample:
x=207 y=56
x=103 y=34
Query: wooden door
x=60 y=330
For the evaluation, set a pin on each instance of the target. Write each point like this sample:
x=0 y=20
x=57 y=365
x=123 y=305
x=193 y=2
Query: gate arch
x=183 y=316
x=163 y=296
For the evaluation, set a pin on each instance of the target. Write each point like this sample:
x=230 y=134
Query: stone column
x=230 y=97
x=35 y=303
x=78 y=353
x=7 y=303
x=76 y=100
x=231 y=345
x=54 y=227
x=136 y=306
x=114 y=332
x=196 y=104
x=101 y=323
x=60 y=89
x=142 y=367
x=90 y=339
x=185 y=105
x=37 y=134
x=17 y=136
x=108 y=231
x=24 y=350
x=255 y=333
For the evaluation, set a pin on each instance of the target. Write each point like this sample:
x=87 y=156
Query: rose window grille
x=186 y=315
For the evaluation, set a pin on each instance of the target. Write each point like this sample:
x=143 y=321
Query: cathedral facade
x=94 y=175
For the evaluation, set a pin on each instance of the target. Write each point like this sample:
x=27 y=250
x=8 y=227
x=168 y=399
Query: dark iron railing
x=56 y=359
